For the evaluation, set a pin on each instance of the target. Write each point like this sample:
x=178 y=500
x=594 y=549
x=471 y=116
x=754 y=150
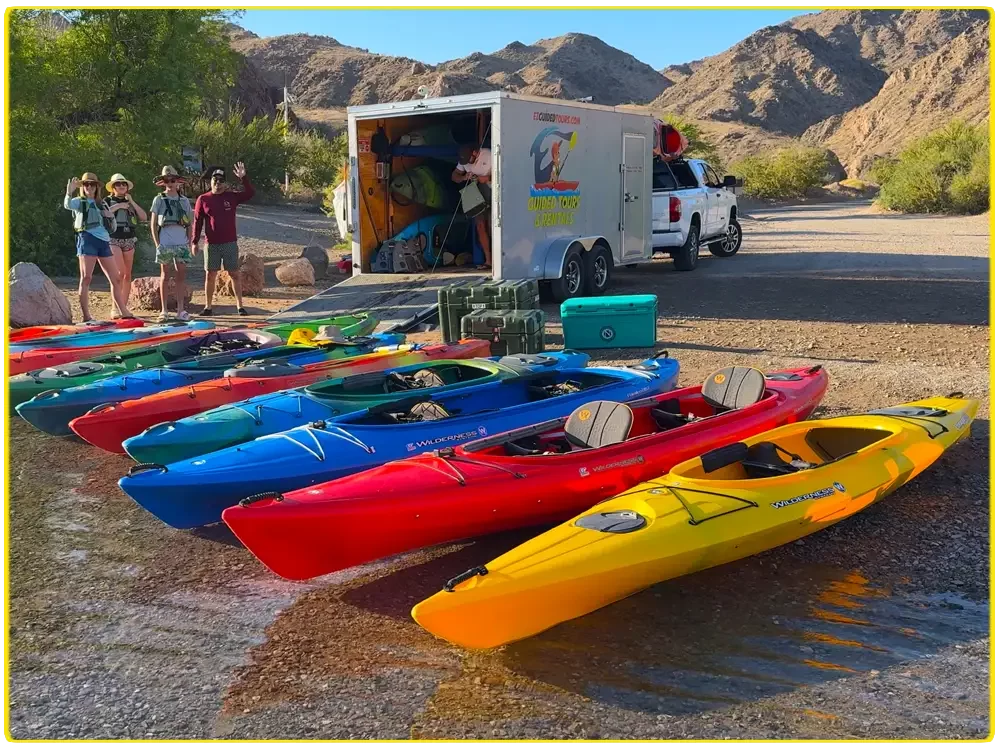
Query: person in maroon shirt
x=215 y=212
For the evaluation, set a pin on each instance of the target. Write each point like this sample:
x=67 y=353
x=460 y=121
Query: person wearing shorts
x=170 y=224
x=215 y=212
x=128 y=214
x=92 y=247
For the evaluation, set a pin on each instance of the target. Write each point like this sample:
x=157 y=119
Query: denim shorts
x=94 y=247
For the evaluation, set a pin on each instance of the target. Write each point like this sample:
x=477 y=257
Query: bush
x=785 y=173
x=947 y=171
x=699 y=147
x=316 y=161
x=260 y=144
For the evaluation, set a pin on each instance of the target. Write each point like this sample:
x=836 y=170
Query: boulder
x=145 y=294
x=319 y=259
x=252 y=269
x=34 y=299
x=298 y=272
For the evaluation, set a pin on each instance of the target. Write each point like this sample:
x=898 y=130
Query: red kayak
x=22 y=335
x=533 y=476
x=39 y=359
x=107 y=426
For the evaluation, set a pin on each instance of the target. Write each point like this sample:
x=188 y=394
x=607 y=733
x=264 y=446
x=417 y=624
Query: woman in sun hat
x=93 y=224
x=170 y=224
x=128 y=214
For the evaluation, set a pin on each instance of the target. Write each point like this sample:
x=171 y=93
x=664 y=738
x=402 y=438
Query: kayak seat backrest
x=733 y=388
x=598 y=424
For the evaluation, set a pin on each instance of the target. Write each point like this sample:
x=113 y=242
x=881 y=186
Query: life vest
x=90 y=217
x=124 y=216
x=174 y=211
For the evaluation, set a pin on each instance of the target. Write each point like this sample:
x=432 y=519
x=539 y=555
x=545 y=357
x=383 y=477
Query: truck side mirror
x=729 y=181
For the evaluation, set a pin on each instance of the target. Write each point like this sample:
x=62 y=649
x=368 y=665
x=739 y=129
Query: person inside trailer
x=475 y=166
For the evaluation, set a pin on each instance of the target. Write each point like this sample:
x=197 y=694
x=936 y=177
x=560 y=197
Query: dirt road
x=875 y=628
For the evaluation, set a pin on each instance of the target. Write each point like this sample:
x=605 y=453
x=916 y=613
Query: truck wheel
x=598 y=265
x=686 y=257
x=731 y=241
x=571 y=282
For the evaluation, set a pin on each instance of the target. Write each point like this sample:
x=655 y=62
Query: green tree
x=261 y=143
x=784 y=173
x=316 y=160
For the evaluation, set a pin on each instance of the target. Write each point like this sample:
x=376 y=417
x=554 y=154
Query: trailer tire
x=731 y=241
x=572 y=279
x=686 y=256
x=598 y=266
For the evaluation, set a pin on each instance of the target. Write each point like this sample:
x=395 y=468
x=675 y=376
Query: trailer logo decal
x=552 y=199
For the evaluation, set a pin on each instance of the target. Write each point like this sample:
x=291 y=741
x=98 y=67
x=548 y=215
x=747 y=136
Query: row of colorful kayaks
x=324 y=451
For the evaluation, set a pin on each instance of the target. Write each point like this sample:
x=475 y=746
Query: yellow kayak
x=730 y=503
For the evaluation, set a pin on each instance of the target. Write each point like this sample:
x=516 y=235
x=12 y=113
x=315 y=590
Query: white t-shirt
x=481 y=166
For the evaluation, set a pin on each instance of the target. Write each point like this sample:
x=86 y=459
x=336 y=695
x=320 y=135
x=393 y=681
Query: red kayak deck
x=108 y=426
x=33 y=333
x=433 y=499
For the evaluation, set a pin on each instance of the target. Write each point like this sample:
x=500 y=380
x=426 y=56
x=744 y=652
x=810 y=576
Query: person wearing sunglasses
x=128 y=214
x=170 y=224
x=215 y=212
x=93 y=225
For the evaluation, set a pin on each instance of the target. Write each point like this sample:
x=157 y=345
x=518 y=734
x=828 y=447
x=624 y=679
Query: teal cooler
x=609 y=322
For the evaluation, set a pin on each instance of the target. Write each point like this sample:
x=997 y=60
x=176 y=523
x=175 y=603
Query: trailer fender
x=557 y=249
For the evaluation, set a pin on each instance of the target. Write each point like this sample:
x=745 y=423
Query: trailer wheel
x=598 y=264
x=686 y=257
x=571 y=283
x=731 y=241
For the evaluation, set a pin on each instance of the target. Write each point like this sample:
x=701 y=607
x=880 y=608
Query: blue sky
x=657 y=37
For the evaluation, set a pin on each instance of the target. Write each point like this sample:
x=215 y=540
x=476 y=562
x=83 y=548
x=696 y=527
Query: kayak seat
x=667 y=415
x=428 y=411
x=541 y=392
x=764 y=460
x=598 y=424
x=733 y=388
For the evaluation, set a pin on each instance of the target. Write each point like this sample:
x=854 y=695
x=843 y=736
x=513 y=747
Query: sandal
x=242 y=311
x=206 y=311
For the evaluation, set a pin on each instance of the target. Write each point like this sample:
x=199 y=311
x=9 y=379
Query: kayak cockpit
x=789 y=453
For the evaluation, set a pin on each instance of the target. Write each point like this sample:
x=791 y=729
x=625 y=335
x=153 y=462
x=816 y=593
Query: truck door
x=635 y=209
x=713 y=194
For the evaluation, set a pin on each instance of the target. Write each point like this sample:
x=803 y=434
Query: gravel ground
x=875 y=628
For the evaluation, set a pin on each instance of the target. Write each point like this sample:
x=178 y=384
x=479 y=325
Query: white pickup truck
x=693 y=207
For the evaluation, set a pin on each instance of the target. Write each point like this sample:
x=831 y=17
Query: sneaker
x=206 y=311
x=183 y=315
x=242 y=311
x=163 y=318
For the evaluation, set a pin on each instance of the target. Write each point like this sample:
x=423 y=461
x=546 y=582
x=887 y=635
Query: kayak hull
x=32 y=333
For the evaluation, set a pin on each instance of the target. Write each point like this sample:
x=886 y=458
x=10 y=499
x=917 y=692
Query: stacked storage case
x=508 y=331
x=458 y=300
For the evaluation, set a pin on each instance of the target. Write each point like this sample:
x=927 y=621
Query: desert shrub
x=699 y=147
x=261 y=144
x=316 y=160
x=785 y=173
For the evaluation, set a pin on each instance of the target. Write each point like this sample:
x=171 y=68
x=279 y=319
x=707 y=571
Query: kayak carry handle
x=662 y=354
x=479 y=570
x=814 y=369
x=102 y=407
x=139 y=468
x=158 y=427
x=248 y=501
x=45 y=394
x=956 y=394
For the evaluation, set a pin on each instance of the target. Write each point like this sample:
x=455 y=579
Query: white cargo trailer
x=571 y=183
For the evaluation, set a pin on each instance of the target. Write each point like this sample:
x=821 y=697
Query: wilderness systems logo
x=585 y=472
x=553 y=200
x=825 y=492
x=459 y=437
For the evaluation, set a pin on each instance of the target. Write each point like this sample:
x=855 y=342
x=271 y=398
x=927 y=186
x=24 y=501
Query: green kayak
x=350 y=326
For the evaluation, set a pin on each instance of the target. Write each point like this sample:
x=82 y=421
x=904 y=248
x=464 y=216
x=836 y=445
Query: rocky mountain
x=953 y=82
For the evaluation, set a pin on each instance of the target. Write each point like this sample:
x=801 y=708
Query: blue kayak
x=194 y=492
x=243 y=421
x=103 y=338
x=52 y=411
